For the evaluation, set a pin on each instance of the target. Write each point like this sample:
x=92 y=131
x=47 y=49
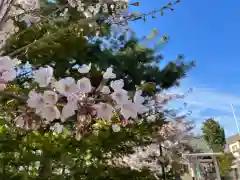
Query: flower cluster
x=64 y=98
x=93 y=9
x=7 y=71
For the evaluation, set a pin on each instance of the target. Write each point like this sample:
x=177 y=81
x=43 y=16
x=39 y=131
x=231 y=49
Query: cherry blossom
x=57 y=127
x=9 y=75
x=43 y=76
x=66 y=86
x=67 y=112
x=84 y=68
x=70 y=108
x=138 y=101
x=105 y=90
x=109 y=74
x=120 y=96
x=2 y=86
x=116 y=128
x=117 y=85
x=50 y=98
x=84 y=85
x=129 y=110
x=6 y=63
x=50 y=113
x=35 y=100
x=29 y=4
x=104 y=110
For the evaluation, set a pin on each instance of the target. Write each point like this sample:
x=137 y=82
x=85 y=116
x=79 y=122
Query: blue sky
x=209 y=33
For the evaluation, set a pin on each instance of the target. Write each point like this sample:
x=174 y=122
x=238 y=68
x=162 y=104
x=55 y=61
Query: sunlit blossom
x=105 y=90
x=6 y=63
x=66 y=86
x=116 y=128
x=50 y=113
x=84 y=68
x=50 y=98
x=120 y=96
x=104 y=110
x=117 y=85
x=84 y=85
x=70 y=108
x=109 y=74
x=43 y=76
x=9 y=75
x=35 y=100
x=2 y=86
x=129 y=110
x=57 y=127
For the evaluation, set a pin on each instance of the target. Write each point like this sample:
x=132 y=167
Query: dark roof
x=199 y=144
x=233 y=139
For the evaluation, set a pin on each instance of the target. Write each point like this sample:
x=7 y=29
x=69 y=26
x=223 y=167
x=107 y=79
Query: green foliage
x=225 y=163
x=214 y=135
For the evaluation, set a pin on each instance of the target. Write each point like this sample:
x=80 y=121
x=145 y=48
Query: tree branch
x=13 y=96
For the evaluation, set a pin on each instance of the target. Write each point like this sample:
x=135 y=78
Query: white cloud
x=207 y=102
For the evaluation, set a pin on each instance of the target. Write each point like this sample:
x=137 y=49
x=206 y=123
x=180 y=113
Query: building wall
x=234 y=146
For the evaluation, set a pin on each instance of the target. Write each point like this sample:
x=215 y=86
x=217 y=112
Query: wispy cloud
x=206 y=102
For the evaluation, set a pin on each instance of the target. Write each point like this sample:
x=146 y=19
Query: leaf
x=148 y=87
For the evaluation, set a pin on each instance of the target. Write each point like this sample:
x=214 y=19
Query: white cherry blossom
x=129 y=110
x=66 y=86
x=2 y=86
x=43 y=76
x=84 y=85
x=160 y=98
x=57 y=127
x=70 y=108
x=67 y=111
x=116 y=128
x=138 y=100
x=117 y=85
x=20 y=121
x=50 y=98
x=109 y=74
x=9 y=75
x=104 y=110
x=105 y=90
x=120 y=96
x=6 y=63
x=50 y=113
x=84 y=69
x=35 y=100
x=29 y=5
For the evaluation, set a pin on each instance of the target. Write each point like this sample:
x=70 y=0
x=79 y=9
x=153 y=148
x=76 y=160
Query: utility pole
x=234 y=116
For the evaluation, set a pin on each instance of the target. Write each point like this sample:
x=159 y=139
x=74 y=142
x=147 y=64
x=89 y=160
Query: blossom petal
x=9 y=75
x=116 y=128
x=120 y=96
x=43 y=76
x=66 y=86
x=105 y=90
x=109 y=74
x=50 y=98
x=117 y=85
x=84 y=68
x=104 y=110
x=84 y=85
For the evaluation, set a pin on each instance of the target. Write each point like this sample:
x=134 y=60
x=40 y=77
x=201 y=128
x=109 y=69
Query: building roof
x=233 y=139
x=199 y=144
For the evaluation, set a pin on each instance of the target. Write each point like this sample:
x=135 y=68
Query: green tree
x=214 y=135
